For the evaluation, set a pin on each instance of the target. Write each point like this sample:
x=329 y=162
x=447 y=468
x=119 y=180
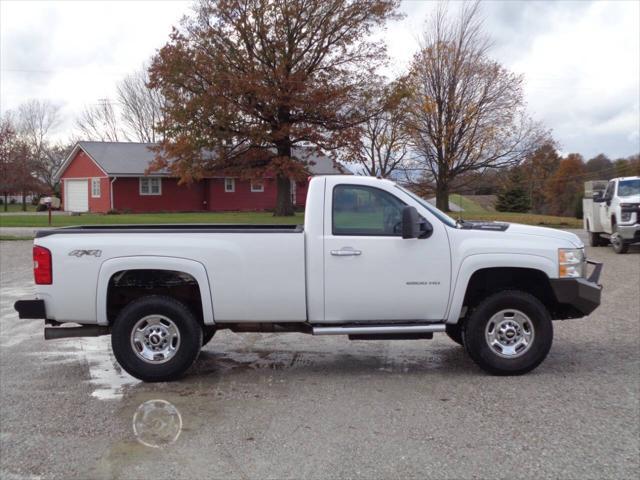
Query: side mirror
x=413 y=225
x=598 y=197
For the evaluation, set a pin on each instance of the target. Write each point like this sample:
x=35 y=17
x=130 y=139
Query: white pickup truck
x=373 y=261
x=613 y=213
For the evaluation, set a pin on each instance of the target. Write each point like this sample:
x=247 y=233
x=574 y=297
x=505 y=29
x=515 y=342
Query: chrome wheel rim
x=509 y=333
x=155 y=339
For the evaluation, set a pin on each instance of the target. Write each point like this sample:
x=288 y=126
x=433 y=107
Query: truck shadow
x=229 y=363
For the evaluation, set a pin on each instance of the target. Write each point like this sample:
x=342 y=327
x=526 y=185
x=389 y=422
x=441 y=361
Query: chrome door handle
x=346 y=252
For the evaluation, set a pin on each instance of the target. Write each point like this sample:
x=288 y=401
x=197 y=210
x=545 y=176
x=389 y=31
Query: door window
x=364 y=211
x=608 y=194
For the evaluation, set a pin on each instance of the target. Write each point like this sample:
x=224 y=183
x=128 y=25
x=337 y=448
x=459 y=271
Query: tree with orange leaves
x=566 y=186
x=247 y=81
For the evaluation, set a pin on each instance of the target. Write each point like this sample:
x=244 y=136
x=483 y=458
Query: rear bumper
x=33 y=309
x=582 y=294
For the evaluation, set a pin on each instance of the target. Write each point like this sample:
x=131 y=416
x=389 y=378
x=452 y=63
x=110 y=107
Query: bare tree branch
x=100 y=123
x=466 y=112
x=141 y=106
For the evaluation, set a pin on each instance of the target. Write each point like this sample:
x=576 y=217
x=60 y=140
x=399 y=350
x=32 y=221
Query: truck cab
x=614 y=214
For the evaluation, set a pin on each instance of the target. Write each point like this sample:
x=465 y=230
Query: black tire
x=208 y=331
x=454 y=332
x=618 y=244
x=474 y=332
x=186 y=351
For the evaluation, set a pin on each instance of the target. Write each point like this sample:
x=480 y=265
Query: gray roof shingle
x=129 y=158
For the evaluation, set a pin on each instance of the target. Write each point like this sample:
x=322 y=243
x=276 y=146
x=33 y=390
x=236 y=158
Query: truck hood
x=520 y=229
x=630 y=199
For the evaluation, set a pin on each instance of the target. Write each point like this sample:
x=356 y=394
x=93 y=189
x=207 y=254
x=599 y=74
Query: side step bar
x=379 y=329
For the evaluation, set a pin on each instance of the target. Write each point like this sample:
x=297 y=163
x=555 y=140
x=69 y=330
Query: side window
x=608 y=194
x=361 y=210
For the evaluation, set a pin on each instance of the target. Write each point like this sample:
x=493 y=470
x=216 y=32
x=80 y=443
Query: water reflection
x=157 y=423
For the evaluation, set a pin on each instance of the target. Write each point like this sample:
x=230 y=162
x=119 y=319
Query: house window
x=150 y=186
x=257 y=186
x=95 y=188
x=229 y=185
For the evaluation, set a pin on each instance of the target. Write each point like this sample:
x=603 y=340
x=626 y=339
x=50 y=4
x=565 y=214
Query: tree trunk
x=6 y=201
x=284 y=205
x=24 y=202
x=442 y=197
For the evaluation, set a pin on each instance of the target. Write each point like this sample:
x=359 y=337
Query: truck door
x=372 y=274
x=605 y=217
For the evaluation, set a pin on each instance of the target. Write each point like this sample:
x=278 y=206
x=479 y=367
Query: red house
x=103 y=176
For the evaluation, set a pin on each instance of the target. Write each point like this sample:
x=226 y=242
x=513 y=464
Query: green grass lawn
x=468 y=205
x=147 y=218
x=17 y=207
x=253 y=218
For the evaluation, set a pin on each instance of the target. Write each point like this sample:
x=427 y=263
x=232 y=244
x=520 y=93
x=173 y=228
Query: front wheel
x=508 y=333
x=617 y=242
x=156 y=338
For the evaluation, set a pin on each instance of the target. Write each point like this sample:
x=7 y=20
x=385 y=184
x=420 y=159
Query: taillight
x=42 y=272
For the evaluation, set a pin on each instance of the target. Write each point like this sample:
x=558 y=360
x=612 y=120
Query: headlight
x=625 y=216
x=571 y=262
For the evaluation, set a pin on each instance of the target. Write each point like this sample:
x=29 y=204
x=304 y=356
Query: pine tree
x=514 y=197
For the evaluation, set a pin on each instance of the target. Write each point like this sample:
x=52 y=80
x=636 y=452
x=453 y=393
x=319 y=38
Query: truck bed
x=254 y=272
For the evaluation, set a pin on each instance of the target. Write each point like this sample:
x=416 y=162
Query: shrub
x=513 y=200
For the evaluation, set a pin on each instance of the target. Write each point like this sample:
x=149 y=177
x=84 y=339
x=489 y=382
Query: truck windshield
x=627 y=188
x=444 y=218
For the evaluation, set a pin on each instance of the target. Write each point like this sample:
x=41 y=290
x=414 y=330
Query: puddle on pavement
x=107 y=378
x=110 y=382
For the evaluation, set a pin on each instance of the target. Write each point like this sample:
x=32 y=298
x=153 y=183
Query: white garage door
x=76 y=195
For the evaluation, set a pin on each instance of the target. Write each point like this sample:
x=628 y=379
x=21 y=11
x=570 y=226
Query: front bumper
x=629 y=233
x=581 y=294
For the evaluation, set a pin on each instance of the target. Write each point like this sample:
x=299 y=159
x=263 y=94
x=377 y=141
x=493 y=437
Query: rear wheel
x=454 y=332
x=508 y=333
x=156 y=338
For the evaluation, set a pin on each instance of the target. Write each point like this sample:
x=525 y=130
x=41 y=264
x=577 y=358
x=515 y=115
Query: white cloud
x=581 y=62
x=73 y=53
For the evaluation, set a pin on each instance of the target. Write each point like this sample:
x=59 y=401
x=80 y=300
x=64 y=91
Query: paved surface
x=22 y=231
x=292 y=406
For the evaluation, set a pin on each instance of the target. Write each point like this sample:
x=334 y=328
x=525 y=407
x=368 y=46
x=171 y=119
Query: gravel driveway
x=293 y=406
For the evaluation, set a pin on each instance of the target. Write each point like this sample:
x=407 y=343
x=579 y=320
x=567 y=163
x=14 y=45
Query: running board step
x=386 y=330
